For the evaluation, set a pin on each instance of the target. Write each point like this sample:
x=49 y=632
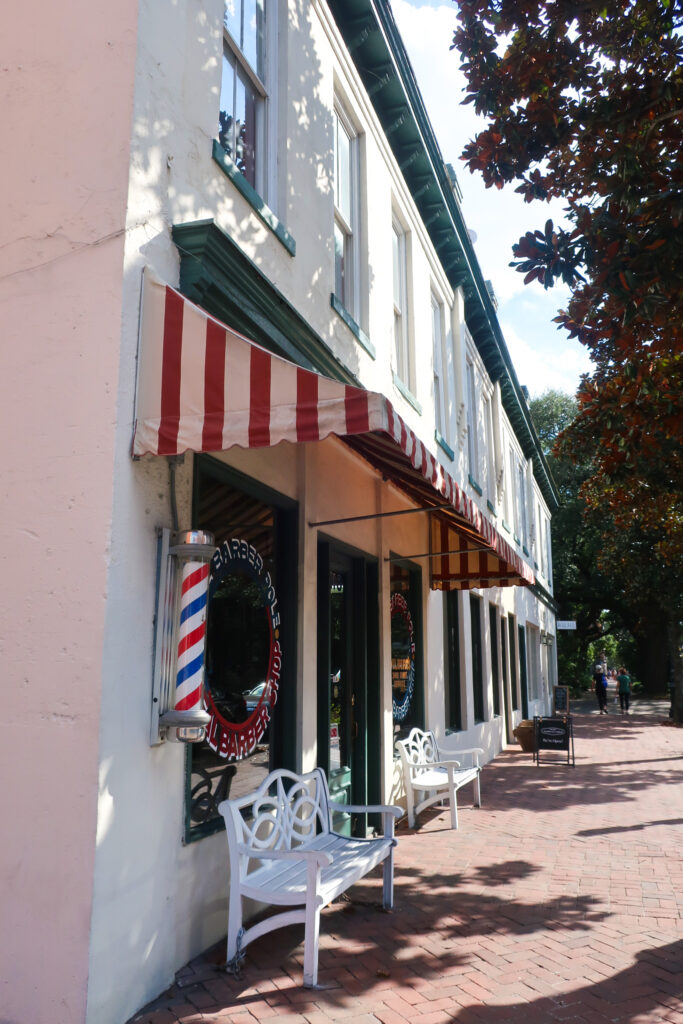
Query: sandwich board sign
x=560 y=700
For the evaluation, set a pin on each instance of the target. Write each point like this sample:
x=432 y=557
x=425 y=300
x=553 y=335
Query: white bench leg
x=454 y=808
x=388 y=881
x=234 y=923
x=410 y=802
x=312 y=926
x=311 y=940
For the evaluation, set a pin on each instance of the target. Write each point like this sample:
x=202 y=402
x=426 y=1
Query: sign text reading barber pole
x=235 y=740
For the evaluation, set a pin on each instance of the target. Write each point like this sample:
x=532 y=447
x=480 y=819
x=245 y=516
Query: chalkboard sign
x=554 y=734
x=560 y=700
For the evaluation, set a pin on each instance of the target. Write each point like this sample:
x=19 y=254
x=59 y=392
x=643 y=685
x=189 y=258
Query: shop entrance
x=348 y=681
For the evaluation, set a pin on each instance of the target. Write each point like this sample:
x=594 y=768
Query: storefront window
x=244 y=651
x=406 y=646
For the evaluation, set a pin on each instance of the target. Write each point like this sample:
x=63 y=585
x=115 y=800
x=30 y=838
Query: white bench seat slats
x=439 y=773
x=283 y=852
x=351 y=860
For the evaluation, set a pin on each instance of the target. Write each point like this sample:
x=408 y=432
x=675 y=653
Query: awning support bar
x=382 y=515
x=435 y=554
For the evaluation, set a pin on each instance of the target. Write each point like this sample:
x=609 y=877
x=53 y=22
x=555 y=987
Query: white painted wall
x=157 y=903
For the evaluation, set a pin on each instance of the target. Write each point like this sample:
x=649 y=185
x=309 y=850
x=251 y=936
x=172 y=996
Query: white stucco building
x=269 y=164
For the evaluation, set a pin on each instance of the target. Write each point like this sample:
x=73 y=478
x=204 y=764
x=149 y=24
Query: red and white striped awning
x=204 y=388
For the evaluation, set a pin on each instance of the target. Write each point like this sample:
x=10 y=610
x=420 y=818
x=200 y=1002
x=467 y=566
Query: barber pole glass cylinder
x=186 y=717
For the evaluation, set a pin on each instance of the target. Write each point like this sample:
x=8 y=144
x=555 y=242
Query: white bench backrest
x=418 y=749
x=286 y=811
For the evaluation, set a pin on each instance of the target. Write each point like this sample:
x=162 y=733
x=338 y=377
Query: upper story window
x=346 y=215
x=440 y=389
x=400 y=279
x=490 y=452
x=242 y=121
x=472 y=441
x=524 y=518
x=510 y=495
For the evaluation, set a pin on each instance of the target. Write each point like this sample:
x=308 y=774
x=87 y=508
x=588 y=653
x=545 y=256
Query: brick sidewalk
x=560 y=900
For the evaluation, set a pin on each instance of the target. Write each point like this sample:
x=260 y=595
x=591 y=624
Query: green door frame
x=364 y=661
x=521 y=633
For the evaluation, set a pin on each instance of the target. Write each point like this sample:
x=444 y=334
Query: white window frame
x=472 y=439
x=524 y=515
x=348 y=226
x=265 y=129
x=490 y=450
x=401 y=327
x=441 y=418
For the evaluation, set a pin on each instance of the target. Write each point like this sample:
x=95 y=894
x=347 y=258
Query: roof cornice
x=377 y=51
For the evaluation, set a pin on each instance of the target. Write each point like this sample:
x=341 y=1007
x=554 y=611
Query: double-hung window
x=400 y=276
x=440 y=392
x=346 y=230
x=242 y=127
x=524 y=522
x=472 y=444
x=490 y=452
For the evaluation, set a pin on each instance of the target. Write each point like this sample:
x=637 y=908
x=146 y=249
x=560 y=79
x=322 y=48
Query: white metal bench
x=284 y=852
x=432 y=774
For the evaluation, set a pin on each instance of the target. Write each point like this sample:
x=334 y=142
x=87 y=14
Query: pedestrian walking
x=600 y=685
x=624 y=682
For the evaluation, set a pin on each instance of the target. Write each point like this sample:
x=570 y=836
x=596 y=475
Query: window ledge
x=444 y=445
x=506 y=527
x=474 y=484
x=490 y=506
x=357 y=331
x=517 y=540
x=525 y=551
x=229 y=168
x=407 y=394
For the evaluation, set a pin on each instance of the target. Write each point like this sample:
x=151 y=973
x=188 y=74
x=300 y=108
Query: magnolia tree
x=584 y=104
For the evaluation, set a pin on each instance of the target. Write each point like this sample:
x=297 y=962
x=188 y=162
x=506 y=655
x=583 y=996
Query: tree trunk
x=675 y=670
x=652 y=660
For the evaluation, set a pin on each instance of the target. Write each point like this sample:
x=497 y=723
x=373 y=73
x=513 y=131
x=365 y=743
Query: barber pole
x=191 y=636
x=184 y=716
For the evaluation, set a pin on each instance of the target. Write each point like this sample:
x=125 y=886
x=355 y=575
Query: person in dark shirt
x=600 y=685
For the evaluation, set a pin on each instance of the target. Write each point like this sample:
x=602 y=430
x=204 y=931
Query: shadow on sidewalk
x=654 y=982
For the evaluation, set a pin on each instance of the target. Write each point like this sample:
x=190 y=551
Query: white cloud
x=555 y=366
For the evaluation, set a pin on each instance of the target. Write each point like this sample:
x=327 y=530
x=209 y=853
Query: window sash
x=400 y=311
x=244 y=22
x=472 y=447
x=243 y=96
x=346 y=217
x=437 y=348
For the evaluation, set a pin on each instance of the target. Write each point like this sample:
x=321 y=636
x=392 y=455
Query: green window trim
x=357 y=331
x=524 y=549
x=506 y=527
x=230 y=169
x=444 y=445
x=474 y=484
x=490 y=506
x=517 y=540
x=407 y=394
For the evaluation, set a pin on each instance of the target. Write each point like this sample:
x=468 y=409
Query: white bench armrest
x=367 y=808
x=437 y=764
x=299 y=853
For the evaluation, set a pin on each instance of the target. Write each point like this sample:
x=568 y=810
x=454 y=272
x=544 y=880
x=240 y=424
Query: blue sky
x=543 y=356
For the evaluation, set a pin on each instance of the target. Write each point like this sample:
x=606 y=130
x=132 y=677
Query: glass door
x=348 y=681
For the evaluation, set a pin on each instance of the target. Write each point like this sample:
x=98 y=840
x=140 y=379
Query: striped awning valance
x=204 y=388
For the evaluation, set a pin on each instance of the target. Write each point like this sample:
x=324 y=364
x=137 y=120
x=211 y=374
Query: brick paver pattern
x=560 y=900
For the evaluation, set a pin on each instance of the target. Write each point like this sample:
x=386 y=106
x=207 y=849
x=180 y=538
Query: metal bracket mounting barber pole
x=173 y=551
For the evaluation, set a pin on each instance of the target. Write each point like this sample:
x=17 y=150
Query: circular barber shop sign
x=238 y=580
x=402 y=655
